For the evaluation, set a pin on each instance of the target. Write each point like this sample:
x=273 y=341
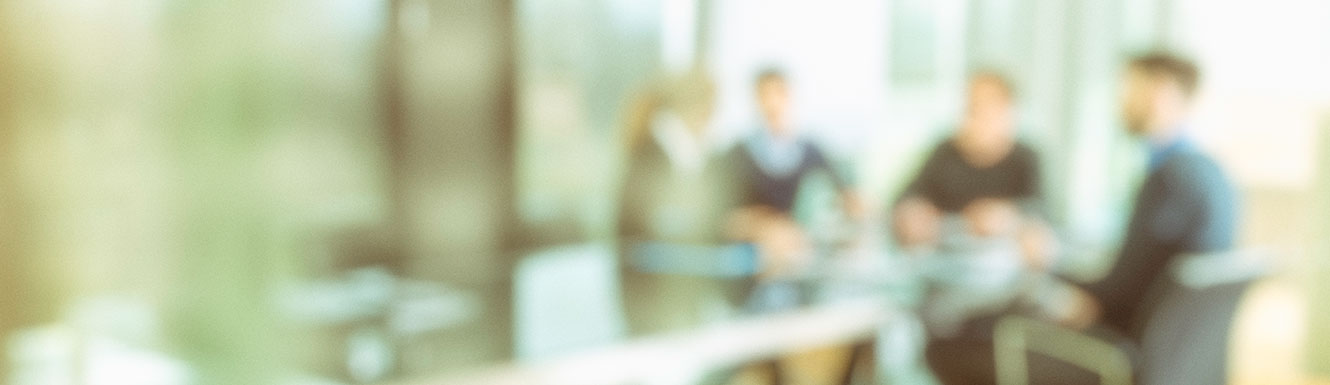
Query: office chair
x=1184 y=337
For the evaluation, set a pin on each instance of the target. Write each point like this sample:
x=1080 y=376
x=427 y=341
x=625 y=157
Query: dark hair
x=997 y=77
x=769 y=74
x=1176 y=68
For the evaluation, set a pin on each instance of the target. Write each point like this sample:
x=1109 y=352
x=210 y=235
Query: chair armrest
x=1200 y=271
x=1015 y=336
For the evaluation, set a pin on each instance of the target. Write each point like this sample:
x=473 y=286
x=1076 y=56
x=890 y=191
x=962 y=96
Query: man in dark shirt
x=973 y=214
x=981 y=173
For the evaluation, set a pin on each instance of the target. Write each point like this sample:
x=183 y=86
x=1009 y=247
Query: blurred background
x=355 y=191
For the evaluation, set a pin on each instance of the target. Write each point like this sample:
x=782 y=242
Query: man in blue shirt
x=1186 y=204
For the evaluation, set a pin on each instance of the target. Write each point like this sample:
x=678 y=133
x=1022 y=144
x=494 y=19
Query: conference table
x=858 y=297
x=684 y=357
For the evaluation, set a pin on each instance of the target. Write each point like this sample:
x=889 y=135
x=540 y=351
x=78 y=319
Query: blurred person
x=1185 y=206
x=973 y=210
x=982 y=173
x=771 y=166
x=687 y=256
x=774 y=161
x=973 y=216
x=669 y=194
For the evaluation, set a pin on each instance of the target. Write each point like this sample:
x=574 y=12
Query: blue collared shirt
x=1159 y=152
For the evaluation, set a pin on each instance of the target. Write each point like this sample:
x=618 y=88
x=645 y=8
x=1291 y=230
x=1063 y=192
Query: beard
x=1136 y=125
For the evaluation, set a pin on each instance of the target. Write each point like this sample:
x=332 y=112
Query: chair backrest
x=1185 y=337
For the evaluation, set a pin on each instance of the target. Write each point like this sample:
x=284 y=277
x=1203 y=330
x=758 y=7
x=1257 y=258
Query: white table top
x=694 y=352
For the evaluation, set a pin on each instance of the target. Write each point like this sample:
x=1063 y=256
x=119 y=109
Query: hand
x=782 y=246
x=992 y=217
x=1039 y=247
x=1082 y=311
x=781 y=243
x=853 y=205
x=917 y=222
x=744 y=223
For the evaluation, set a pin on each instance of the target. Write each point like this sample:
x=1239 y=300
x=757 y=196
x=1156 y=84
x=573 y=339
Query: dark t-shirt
x=950 y=183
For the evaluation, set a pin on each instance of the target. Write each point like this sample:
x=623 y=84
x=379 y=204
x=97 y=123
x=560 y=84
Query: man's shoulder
x=810 y=145
x=1023 y=147
x=1191 y=161
x=1195 y=168
x=944 y=148
x=1023 y=152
